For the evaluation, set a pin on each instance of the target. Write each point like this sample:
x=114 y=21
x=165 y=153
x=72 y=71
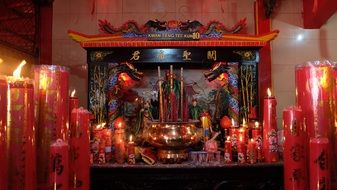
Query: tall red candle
x=257 y=136
x=3 y=132
x=79 y=147
x=270 y=145
x=52 y=112
x=228 y=150
x=319 y=163
x=234 y=136
x=59 y=164
x=295 y=170
x=21 y=134
x=333 y=134
x=119 y=143
x=314 y=86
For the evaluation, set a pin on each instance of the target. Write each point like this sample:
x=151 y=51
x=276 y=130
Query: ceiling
x=19 y=25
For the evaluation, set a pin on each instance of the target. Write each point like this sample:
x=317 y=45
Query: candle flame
x=228 y=138
x=73 y=93
x=17 y=71
x=268 y=92
x=243 y=121
x=43 y=81
x=100 y=126
x=1 y=60
x=233 y=122
x=251 y=140
x=256 y=124
x=130 y=138
x=240 y=138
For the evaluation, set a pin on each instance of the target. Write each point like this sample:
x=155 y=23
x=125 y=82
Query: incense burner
x=172 y=139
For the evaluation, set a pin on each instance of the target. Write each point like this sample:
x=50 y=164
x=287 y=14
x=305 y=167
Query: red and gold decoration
x=59 y=165
x=270 y=146
x=295 y=168
x=79 y=146
x=52 y=113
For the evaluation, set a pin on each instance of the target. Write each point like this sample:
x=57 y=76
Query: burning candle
x=270 y=145
x=59 y=164
x=319 y=163
x=3 y=132
x=21 y=132
x=243 y=131
x=131 y=151
x=73 y=102
x=257 y=136
x=251 y=152
x=79 y=147
x=97 y=135
x=108 y=144
x=52 y=112
x=241 y=151
x=119 y=136
x=294 y=149
x=228 y=150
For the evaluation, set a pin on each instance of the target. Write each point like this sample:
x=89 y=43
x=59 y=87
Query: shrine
x=163 y=94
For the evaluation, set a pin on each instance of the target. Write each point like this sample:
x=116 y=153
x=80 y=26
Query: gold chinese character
x=135 y=55
x=161 y=55
x=186 y=55
x=211 y=55
x=196 y=36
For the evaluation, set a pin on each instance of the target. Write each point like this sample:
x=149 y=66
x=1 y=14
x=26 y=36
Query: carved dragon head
x=131 y=71
x=217 y=69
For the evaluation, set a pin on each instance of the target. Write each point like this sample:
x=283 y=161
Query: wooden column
x=45 y=31
x=263 y=25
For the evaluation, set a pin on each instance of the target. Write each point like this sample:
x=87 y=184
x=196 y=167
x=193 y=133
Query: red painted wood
x=263 y=25
x=317 y=12
x=46 y=34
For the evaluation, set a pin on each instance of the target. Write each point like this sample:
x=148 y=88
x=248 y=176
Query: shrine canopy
x=173 y=33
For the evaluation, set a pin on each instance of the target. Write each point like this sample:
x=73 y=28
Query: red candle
x=234 y=135
x=52 y=112
x=295 y=169
x=251 y=152
x=3 y=132
x=228 y=150
x=319 y=163
x=257 y=136
x=270 y=145
x=59 y=165
x=108 y=144
x=131 y=152
x=119 y=135
x=97 y=141
x=79 y=146
x=120 y=151
x=314 y=87
x=241 y=151
x=73 y=102
x=21 y=134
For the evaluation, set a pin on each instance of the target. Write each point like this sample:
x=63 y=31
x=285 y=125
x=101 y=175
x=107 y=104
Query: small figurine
x=195 y=110
x=144 y=117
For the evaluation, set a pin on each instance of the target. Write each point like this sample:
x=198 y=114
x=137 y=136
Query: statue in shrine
x=194 y=110
x=171 y=92
x=144 y=117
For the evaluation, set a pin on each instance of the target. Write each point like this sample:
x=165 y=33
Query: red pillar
x=263 y=25
x=45 y=32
